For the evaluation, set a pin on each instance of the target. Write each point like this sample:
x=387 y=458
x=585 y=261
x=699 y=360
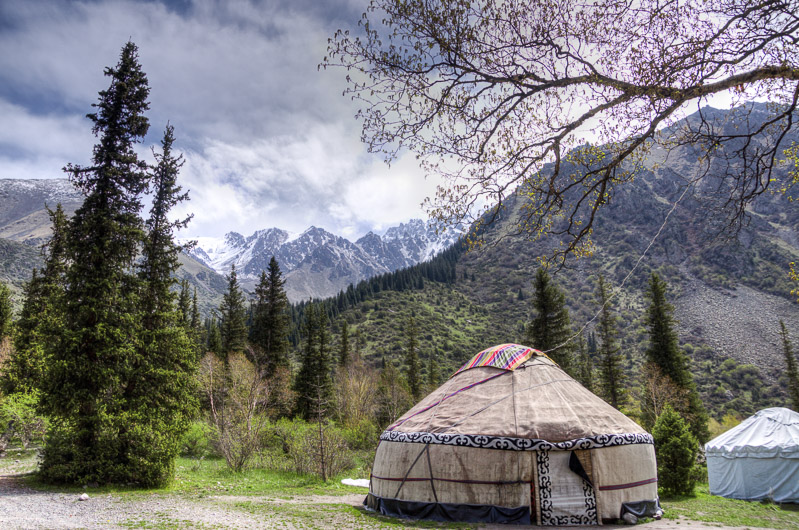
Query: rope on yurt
x=405 y=478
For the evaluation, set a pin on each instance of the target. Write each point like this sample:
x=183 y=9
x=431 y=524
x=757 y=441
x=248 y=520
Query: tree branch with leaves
x=500 y=97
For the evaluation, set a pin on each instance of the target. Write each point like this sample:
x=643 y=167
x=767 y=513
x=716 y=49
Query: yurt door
x=564 y=496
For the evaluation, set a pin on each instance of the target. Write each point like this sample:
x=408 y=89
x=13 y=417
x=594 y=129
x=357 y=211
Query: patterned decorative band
x=516 y=444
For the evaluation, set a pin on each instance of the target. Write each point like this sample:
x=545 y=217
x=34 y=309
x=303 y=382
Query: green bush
x=196 y=442
x=676 y=450
x=18 y=414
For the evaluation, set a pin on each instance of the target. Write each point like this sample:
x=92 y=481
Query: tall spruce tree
x=665 y=353
x=233 y=316
x=550 y=330
x=413 y=374
x=41 y=320
x=270 y=329
x=314 y=384
x=89 y=435
x=791 y=370
x=611 y=372
x=161 y=390
x=184 y=303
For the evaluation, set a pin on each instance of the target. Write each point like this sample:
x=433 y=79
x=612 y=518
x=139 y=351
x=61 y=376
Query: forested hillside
x=730 y=288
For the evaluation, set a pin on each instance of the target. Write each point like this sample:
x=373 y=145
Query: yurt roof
x=769 y=432
x=516 y=392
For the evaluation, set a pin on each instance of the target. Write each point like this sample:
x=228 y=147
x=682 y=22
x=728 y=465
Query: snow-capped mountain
x=317 y=263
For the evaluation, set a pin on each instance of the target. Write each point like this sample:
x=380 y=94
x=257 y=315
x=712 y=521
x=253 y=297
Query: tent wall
x=625 y=473
x=754 y=479
x=540 y=481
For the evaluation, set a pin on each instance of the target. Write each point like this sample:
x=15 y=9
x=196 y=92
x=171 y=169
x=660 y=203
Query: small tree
x=676 y=450
x=585 y=366
x=393 y=396
x=233 y=328
x=791 y=370
x=655 y=392
x=344 y=346
x=236 y=396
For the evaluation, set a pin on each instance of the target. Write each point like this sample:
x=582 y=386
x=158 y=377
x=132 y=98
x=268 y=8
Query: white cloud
x=268 y=139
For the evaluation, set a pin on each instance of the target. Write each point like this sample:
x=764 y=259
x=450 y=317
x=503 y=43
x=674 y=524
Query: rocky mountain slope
x=730 y=289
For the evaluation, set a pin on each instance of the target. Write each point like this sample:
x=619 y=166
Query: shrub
x=18 y=414
x=676 y=450
x=196 y=442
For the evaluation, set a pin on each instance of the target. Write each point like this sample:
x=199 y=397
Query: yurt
x=758 y=459
x=512 y=438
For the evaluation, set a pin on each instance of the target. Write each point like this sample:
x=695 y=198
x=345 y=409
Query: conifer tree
x=344 y=346
x=665 y=353
x=161 y=390
x=233 y=316
x=196 y=330
x=412 y=359
x=270 y=327
x=314 y=384
x=549 y=330
x=90 y=368
x=611 y=372
x=791 y=370
x=214 y=337
x=184 y=303
x=433 y=376
x=6 y=311
x=40 y=322
x=675 y=451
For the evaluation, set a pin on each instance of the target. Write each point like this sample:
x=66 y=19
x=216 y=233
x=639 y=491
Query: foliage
x=196 y=441
x=496 y=95
x=356 y=388
x=6 y=311
x=611 y=373
x=314 y=384
x=657 y=390
x=314 y=448
x=95 y=432
x=270 y=328
x=664 y=353
x=412 y=359
x=675 y=450
x=393 y=395
x=40 y=323
x=794 y=275
x=19 y=413
x=233 y=318
x=791 y=369
x=236 y=395
x=549 y=331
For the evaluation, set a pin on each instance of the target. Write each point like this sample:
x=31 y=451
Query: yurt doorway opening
x=565 y=493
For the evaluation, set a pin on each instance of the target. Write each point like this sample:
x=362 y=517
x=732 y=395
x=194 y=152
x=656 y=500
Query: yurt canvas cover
x=512 y=438
x=758 y=459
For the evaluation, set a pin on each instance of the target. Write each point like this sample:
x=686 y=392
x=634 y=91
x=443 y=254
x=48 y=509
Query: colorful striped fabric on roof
x=504 y=356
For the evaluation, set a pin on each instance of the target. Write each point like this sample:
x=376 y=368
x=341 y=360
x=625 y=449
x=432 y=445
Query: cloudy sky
x=268 y=139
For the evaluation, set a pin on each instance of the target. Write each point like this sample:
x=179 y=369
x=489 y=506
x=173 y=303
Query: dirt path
x=24 y=508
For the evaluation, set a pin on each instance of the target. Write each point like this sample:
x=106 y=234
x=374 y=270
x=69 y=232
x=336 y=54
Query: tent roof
x=770 y=432
x=536 y=400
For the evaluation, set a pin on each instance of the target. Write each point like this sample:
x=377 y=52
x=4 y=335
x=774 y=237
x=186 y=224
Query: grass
x=277 y=497
x=730 y=512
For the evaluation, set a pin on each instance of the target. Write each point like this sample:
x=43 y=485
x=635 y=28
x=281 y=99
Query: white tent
x=758 y=459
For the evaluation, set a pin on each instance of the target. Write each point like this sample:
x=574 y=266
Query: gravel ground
x=24 y=508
